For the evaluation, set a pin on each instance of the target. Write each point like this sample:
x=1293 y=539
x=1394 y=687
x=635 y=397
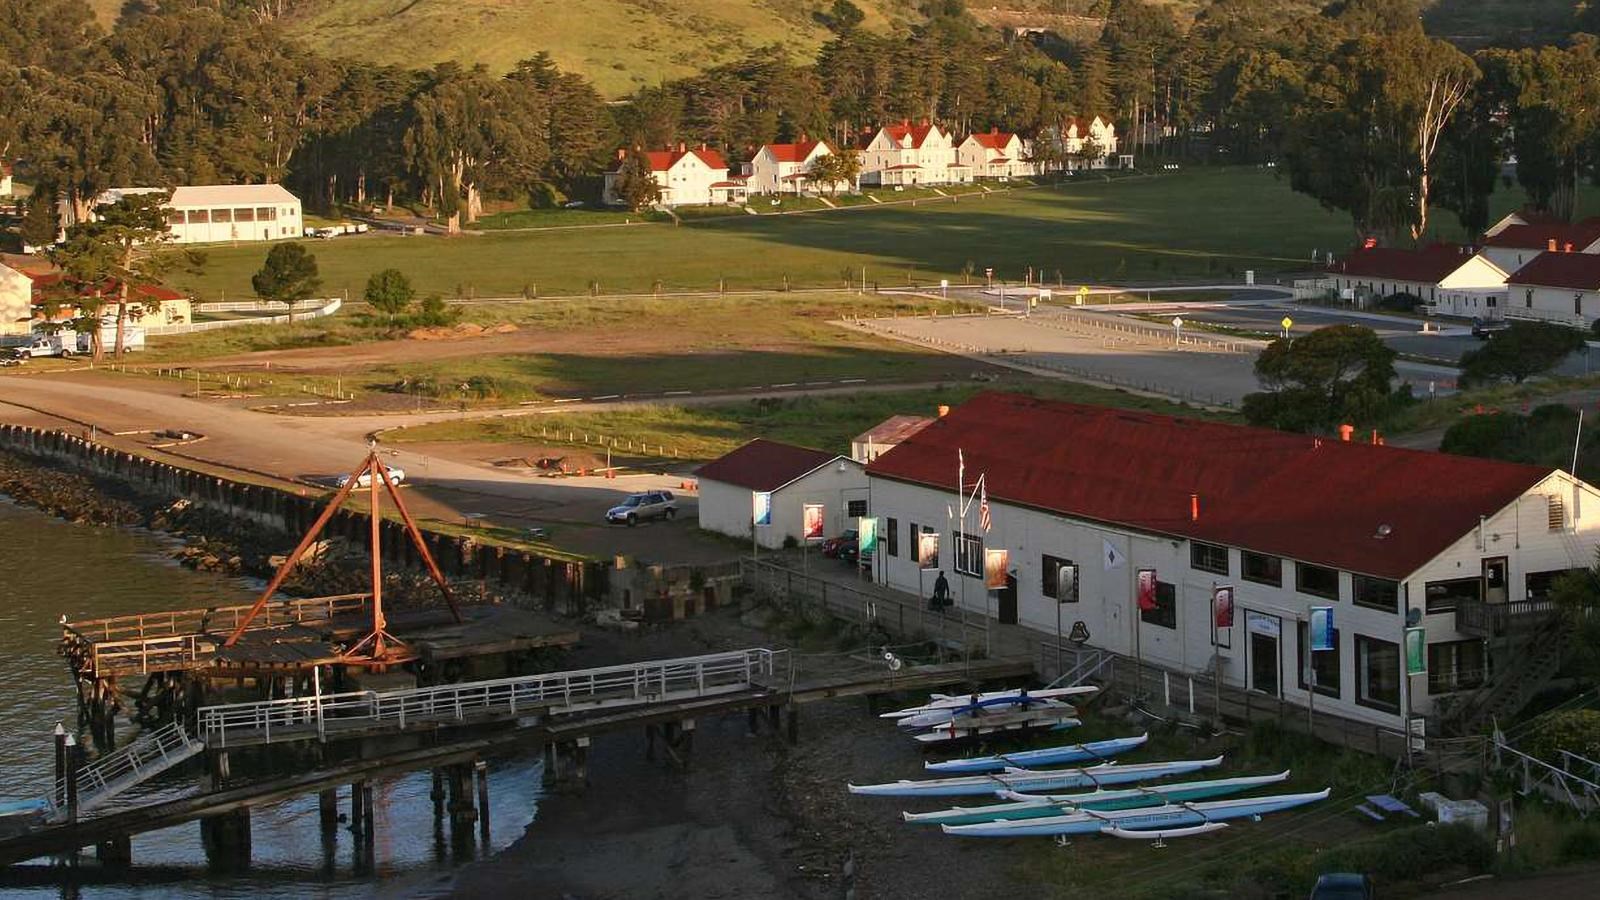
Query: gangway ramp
x=110 y=775
x=367 y=713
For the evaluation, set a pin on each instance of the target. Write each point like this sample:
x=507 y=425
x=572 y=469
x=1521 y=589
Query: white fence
x=328 y=308
x=301 y=718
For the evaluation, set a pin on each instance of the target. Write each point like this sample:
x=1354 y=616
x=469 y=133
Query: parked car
x=396 y=475
x=1343 y=886
x=47 y=345
x=10 y=357
x=1483 y=330
x=641 y=507
x=835 y=546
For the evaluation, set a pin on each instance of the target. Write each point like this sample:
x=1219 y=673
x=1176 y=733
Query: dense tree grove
x=1364 y=111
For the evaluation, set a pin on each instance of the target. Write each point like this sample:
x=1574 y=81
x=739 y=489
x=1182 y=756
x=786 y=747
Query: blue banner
x=762 y=503
x=1321 y=628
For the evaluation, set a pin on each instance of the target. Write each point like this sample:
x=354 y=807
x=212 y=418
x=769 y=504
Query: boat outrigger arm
x=379 y=645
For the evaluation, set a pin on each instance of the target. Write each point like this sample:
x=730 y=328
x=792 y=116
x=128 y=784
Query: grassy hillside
x=625 y=44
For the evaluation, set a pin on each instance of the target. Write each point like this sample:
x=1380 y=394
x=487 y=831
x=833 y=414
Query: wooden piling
x=328 y=810
x=481 y=768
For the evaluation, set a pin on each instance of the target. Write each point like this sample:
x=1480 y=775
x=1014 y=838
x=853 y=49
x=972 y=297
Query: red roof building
x=1574 y=271
x=1376 y=510
x=764 y=465
x=783 y=480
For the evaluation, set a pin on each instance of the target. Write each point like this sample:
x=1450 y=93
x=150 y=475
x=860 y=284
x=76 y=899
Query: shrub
x=1575 y=731
x=1401 y=302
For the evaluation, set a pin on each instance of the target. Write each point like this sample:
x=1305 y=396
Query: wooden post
x=72 y=778
x=58 y=793
x=358 y=809
x=328 y=810
x=481 y=767
x=794 y=724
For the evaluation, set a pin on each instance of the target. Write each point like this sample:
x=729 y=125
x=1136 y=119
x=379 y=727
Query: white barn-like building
x=1387 y=537
x=794 y=476
x=1449 y=279
x=223 y=213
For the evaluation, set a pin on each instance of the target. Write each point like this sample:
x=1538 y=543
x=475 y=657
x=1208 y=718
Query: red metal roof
x=1539 y=236
x=764 y=465
x=46 y=280
x=1319 y=500
x=1578 y=271
x=1429 y=265
x=893 y=430
x=994 y=140
x=793 y=153
x=662 y=160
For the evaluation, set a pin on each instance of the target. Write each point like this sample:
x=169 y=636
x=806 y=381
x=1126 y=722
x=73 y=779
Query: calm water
x=50 y=568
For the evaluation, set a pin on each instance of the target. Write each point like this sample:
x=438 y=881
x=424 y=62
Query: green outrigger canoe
x=1035 y=806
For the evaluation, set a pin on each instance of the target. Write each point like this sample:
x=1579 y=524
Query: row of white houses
x=1156 y=515
x=901 y=154
x=1541 y=270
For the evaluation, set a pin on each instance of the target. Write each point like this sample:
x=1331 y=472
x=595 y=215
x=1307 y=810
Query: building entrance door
x=1265 y=655
x=1008 y=601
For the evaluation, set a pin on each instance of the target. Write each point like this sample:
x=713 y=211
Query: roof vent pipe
x=1346 y=432
x=1194 y=507
x=943 y=410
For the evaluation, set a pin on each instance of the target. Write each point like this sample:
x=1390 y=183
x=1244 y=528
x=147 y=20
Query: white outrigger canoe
x=1042 y=806
x=1171 y=820
x=1056 y=716
x=1100 y=751
x=957 y=701
x=1034 y=780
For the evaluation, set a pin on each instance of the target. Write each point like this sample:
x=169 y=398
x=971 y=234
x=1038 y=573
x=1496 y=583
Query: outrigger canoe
x=1035 y=780
x=992 y=706
x=956 y=701
x=1046 y=756
x=1049 y=714
x=1042 y=806
x=1172 y=820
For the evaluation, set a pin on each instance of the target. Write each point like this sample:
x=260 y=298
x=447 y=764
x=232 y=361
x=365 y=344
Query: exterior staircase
x=110 y=775
x=1531 y=658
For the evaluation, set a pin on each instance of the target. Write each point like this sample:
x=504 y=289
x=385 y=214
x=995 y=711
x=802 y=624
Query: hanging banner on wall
x=1067 y=583
x=761 y=508
x=811 y=523
x=866 y=536
x=995 y=564
x=1222 y=606
x=928 y=550
x=1146 y=582
x=1416 y=651
x=1321 y=628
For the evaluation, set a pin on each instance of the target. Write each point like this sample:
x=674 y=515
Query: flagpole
x=960 y=532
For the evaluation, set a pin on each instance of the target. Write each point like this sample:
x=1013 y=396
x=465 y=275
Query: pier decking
x=288 y=635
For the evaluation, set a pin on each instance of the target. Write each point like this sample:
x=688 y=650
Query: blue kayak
x=1045 y=756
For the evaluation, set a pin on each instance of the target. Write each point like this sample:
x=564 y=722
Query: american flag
x=984 y=520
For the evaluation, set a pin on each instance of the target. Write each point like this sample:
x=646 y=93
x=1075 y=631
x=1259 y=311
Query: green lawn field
x=1199 y=225
x=704 y=432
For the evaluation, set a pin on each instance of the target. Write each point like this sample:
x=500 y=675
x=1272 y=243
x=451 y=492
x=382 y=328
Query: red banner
x=1222 y=607
x=1147 y=589
x=995 y=564
x=814 y=530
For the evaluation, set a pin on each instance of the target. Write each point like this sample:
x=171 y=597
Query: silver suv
x=640 y=507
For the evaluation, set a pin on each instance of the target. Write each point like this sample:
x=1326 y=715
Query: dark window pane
x=1316 y=581
x=1375 y=593
x=1208 y=557
x=1262 y=569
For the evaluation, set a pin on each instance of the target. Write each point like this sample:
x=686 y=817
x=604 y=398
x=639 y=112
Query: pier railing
x=116 y=772
x=318 y=717
x=176 y=639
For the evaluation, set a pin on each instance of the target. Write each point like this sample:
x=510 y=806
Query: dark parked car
x=1343 y=886
x=1483 y=330
x=835 y=547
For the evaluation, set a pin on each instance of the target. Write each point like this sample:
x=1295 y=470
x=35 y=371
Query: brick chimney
x=1552 y=245
x=1194 y=507
x=622 y=153
x=1346 y=432
x=682 y=147
x=1567 y=247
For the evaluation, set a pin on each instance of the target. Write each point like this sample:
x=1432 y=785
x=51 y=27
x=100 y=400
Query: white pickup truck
x=63 y=346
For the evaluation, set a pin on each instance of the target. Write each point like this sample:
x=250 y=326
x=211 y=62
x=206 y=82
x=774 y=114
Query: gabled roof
x=44 y=281
x=1539 y=236
x=1578 y=271
x=919 y=133
x=764 y=465
x=204 y=195
x=663 y=160
x=1319 y=500
x=1429 y=265
x=993 y=140
x=794 y=153
x=893 y=430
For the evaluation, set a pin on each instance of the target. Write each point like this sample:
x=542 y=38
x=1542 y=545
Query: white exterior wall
x=200 y=225
x=16 y=302
x=768 y=174
x=1567 y=305
x=1108 y=608
x=978 y=158
x=936 y=158
x=689 y=182
x=728 y=509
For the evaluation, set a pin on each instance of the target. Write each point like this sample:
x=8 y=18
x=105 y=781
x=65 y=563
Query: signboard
x=1067 y=583
x=1416 y=651
x=1177 y=321
x=1266 y=626
x=1146 y=582
x=1083 y=294
x=1079 y=633
x=928 y=550
x=761 y=502
x=1321 y=628
x=866 y=536
x=1287 y=323
x=995 y=564
x=812 y=527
